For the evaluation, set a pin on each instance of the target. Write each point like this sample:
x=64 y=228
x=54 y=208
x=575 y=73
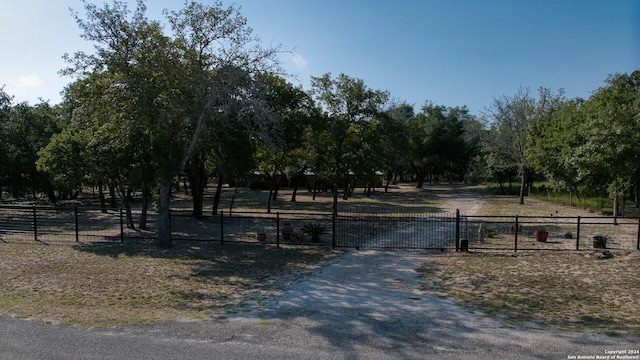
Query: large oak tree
x=180 y=89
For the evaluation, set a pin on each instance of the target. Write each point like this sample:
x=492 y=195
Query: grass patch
x=570 y=290
x=594 y=203
x=112 y=284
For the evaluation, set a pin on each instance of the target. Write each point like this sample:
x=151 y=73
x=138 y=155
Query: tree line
x=206 y=100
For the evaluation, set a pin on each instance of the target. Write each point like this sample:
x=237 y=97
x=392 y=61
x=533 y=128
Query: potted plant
x=600 y=242
x=314 y=230
x=542 y=235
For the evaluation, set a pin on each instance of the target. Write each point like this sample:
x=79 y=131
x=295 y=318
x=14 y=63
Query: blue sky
x=452 y=52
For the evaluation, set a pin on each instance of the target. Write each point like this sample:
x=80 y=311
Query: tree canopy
x=203 y=98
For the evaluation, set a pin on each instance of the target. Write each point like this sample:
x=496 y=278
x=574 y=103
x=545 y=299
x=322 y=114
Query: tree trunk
x=315 y=186
x=390 y=176
x=299 y=178
x=421 y=174
x=127 y=209
x=369 y=190
x=112 y=194
x=146 y=193
x=273 y=189
x=276 y=188
x=233 y=198
x=523 y=187
x=350 y=186
x=197 y=174
x=164 y=214
x=103 y=201
x=216 y=197
x=124 y=197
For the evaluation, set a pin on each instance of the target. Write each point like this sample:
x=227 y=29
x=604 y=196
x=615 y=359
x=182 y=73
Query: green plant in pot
x=314 y=230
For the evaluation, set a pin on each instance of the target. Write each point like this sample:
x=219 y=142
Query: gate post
x=333 y=230
x=515 y=245
x=221 y=227
x=278 y=229
x=121 y=227
x=578 y=235
x=35 y=223
x=457 y=230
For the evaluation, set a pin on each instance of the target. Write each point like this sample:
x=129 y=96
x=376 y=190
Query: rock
x=600 y=254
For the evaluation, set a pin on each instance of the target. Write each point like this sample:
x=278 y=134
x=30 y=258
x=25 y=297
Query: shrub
x=490 y=233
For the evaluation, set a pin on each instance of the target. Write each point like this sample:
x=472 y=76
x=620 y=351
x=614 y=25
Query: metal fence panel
x=562 y=233
x=396 y=232
x=16 y=223
x=434 y=231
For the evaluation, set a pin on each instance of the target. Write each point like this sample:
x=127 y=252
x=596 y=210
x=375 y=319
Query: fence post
x=35 y=223
x=578 y=235
x=457 y=230
x=121 y=227
x=278 y=229
x=333 y=230
x=515 y=244
x=75 y=216
x=222 y=227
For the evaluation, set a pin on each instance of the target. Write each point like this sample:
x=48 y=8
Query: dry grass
x=568 y=289
x=111 y=284
x=399 y=199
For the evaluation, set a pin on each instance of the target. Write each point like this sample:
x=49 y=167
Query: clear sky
x=451 y=52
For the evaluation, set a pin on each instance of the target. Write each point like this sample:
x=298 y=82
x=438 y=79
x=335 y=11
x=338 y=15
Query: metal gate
x=432 y=231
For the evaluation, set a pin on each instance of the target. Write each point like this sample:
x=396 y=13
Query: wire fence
x=521 y=233
x=432 y=231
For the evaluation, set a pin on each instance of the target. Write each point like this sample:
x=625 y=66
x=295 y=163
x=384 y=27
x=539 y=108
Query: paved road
x=366 y=305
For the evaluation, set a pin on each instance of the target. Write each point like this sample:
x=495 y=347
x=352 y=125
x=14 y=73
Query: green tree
x=474 y=136
x=437 y=145
x=554 y=135
x=609 y=159
x=27 y=129
x=291 y=106
x=351 y=108
x=394 y=139
x=511 y=118
x=169 y=89
x=134 y=78
x=5 y=113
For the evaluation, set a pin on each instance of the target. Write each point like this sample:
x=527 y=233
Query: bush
x=490 y=233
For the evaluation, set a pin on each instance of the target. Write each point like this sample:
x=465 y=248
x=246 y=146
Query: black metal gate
x=432 y=231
